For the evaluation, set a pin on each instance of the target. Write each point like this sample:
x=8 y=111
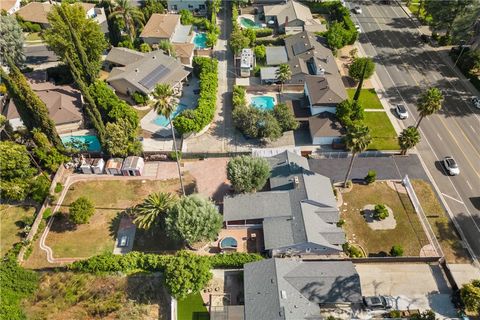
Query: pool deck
x=83 y=132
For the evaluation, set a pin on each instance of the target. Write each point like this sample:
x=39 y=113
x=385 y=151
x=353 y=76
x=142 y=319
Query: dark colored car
x=378 y=302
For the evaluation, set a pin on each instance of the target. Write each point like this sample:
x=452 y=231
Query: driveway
x=125 y=228
x=387 y=167
x=414 y=286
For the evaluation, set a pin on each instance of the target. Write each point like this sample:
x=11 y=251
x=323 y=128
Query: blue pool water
x=92 y=142
x=248 y=23
x=200 y=40
x=228 y=242
x=163 y=122
x=263 y=102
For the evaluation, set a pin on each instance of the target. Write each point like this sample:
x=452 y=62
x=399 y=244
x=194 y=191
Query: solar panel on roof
x=151 y=79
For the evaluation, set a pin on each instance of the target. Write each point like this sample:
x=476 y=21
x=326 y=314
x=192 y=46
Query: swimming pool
x=92 y=143
x=248 y=23
x=228 y=243
x=200 y=40
x=164 y=122
x=263 y=102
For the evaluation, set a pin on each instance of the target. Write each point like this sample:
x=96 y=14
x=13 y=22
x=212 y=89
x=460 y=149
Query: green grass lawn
x=33 y=36
x=408 y=232
x=10 y=225
x=192 y=308
x=383 y=134
x=368 y=98
x=111 y=198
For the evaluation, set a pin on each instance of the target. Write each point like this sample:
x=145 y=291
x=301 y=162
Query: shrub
x=285 y=117
x=233 y=260
x=40 y=189
x=58 y=187
x=396 y=251
x=470 y=294
x=371 y=176
x=248 y=174
x=263 y=32
x=81 y=210
x=278 y=41
x=340 y=223
x=352 y=251
x=173 y=156
x=47 y=213
x=140 y=98
x=395 y=314
x=349 y=184
x=381 y=212
x=239 y=99
x=186 y=17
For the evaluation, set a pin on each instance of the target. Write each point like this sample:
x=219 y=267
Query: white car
x=401 y=111
x=357 y=10
x=476 y=102
x=357 y=27
x=451 y=166
x=123 y=242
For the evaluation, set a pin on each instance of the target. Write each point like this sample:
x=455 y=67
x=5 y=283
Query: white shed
x=133 y=166
x=97 y=165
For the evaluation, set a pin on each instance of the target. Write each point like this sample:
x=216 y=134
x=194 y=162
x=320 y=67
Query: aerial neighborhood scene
x=240 y=159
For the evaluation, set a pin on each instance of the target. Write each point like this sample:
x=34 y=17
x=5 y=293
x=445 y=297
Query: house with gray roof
x=284 y=289
x=142 y=74
x=276 y=55
x=298 y=214
x=289 y=17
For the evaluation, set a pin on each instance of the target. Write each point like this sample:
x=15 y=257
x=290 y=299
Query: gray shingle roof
x=290 y=11
x=123 y=56
x=289 y=289
x=327 y=90
x=256 y=206
x=276 y=55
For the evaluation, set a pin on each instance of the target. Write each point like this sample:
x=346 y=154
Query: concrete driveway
x=413 y=286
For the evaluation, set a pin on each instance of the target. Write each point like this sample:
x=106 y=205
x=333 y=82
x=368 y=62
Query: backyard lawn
x=192 y=308
x=368 y=98
x=383 y=134
x=111 y=198
x=408 y=231
x=441 y=225
x=10 y=224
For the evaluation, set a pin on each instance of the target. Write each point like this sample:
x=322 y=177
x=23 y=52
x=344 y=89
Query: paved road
x=387 y=168
x=404 y=68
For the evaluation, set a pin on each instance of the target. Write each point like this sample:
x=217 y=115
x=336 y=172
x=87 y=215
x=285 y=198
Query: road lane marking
x=450 y=197
x=468 y=183
x=473 y=129
x=439 y=137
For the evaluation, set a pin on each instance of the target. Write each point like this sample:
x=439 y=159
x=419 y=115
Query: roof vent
x=296 y=182
x=296 y=66
x=272 y=281
x=136 y=69
x=283 y=294
x=303 y=37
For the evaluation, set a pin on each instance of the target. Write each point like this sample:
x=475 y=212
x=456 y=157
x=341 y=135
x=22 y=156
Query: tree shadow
x=342 y=289
x=62 y=224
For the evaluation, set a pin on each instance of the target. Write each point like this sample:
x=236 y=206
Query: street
x=404 y=68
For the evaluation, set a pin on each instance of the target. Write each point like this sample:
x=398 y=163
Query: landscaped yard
x=192 y=308
x=111 y=198
x=440 y=223
x=368 y=98
x=11 y=224
x=408 y=231
x=383 y=134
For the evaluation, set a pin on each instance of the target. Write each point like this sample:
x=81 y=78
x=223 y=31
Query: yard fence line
x=435 y=259
x=39 y=216
x=345 y=154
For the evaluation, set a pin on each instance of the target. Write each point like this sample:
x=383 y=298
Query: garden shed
x=114 y=166
x=97 y=165
x=133 y=166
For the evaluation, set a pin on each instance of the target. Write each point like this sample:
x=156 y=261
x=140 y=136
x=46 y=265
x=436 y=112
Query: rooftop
x=325 y=124
x=276 y=55
x=325 y=90
x=291 y=10
x=160 y=26
x=37 y=11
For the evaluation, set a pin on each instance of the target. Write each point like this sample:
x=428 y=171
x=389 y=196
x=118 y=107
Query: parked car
x=401 y=111
x=357 y=10
x=123 y=241
x=378 y=302
x=476 y=102
x=357 y=27
x=451 y=166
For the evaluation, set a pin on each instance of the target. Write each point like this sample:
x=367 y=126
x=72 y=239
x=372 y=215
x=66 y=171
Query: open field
x=192 y=308
x=441 y=225
x=408 y=231
x=383 y=134
x=11 y=224
x=111 y=198
x=368 y=98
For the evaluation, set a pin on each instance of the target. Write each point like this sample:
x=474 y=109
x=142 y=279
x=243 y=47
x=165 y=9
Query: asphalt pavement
x=405 y=67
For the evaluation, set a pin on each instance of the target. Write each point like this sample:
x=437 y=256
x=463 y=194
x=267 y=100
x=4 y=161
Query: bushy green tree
x=239 y=97
x=260 y=53
x=48 y=156
x=81 y=210
x=119 y=140
x=355 y=70
x=145 y=47
x=152 y=6
x=470 y=294
x=211 y=40
x=381 y=212
x=186 y=17
x=444 y=13
x=285 y=117
x=187 y=274
x=337 y=36
x=153 y=210
x=248 y=174
x=11 y=40
x=39 y=189
x=348 y=112
x=268 y=126
x=396 y=251
x=238 y=40
x=193 y=219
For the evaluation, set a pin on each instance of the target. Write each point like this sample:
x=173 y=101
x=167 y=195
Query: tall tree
x=132 y=16
x=357 y=140
x=11 y=40
x=283 y=74
x=361 y=68
x=32 y=110
x=429 y=103
x=408 y=139
x=165 y=106
x=153 y=210
x=444 y=13
x=120 y=139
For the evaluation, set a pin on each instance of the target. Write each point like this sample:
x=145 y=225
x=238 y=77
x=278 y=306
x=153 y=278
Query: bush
x=40 y=189
x=340 y=223
x=248 y=174
x=81 y=210
x=173 y=156
x=395 y=314
x=58 y=187
x=278 y=41
x=396 y=251
x=140 y=98
x=381 y=212
x=263 y=32
x=239 y=99
x=470 y=295
x=352 y=251
x=371 y=176
x=47 y=213
x=233 y=260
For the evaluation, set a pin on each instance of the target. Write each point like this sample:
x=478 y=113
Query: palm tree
x=429 y=103
x=357 y=140
x=165 y=106
x=130 y=14
x=151 y=212
x=408 y=139
x=283 y=74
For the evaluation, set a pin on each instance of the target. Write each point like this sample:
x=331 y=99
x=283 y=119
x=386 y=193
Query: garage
x=325 y=128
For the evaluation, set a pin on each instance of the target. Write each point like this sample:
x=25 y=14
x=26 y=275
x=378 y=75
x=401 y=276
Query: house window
x=174 y=7
x=201 y=6
x=190 y=6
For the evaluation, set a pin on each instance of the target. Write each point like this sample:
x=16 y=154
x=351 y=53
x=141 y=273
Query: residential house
x=37 y=12
x=298 y=214
x=196 y=6
x=120 y=57
x=133 y=166
x=287 y=289
x=276 y=55
x=10 y=6
x=325 y=129
x=64 y=104
x=324 y=93
x=184 y=52
x=160 y=27
x=142 y=74
x=288 y=18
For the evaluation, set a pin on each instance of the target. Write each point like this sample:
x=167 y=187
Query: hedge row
x=263 y=32
x=195 y=120
x=138 y=261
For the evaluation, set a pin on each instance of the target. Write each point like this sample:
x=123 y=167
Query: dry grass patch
x=408 y=232
x=11 y=224
x=441 y=225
